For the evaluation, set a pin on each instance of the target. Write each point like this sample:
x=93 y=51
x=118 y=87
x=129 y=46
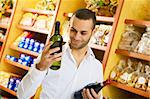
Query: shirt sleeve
x=100 y=76
x=30 y=82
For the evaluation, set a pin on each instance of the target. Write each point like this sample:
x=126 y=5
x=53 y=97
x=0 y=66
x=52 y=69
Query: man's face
x=80 y=32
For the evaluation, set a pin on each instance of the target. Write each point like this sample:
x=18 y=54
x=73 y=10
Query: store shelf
x=16 y=64
x=130 y=89
x=24 y=50
x=33 y=29
x=137 y=22
x=98 y=18
x=105 y=19
x=98 y=47
x=3 y=26
x=133 y=54
x=2 y=40
x=8 y=90
x=39 y=11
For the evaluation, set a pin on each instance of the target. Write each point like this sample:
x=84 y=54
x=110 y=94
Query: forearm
x=30 y=83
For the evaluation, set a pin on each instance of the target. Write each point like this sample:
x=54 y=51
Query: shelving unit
x=127 y=17
x=24 y=50
x=137 y=22
x=16 y=64
x=33 y=29
x=8 y=90
x=130 y=89
x=16 y=28
x=7 y=27
x=98 y=47
x=39 y=11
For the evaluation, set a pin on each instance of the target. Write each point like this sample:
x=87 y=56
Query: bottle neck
x=57 y=27
x=106 y=82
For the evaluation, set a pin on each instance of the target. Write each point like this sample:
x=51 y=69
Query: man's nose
x=77 y=36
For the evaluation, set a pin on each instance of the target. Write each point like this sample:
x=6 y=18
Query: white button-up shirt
x=62 y=83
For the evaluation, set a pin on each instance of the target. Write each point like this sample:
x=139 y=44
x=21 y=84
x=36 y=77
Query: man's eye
x=83 y=33
x=72 y=30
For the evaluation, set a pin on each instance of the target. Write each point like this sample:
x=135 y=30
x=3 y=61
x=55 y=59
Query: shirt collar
x=89 y=52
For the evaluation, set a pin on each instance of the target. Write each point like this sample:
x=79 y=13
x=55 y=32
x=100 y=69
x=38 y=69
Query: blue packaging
x=36 y=44
x=27 y=40
x=20 y=61
x=30 y=47
x=32 y=42
x=26 y=46
x=25 y=63
x=11 y=83
x=13 y=59
x=21 y=44
x=17 y=82
x=8 y=57
x=22 y=57
x=35 y=49
x=40 y=50
x=42 y=45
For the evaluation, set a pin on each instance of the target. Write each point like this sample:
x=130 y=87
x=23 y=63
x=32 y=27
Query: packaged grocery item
x=40 y=22
x=4 y=78
x=102 y=34
x=130 y=38
x=144 y=44
x=117 y=69
x=46 y=5
x=28 y=19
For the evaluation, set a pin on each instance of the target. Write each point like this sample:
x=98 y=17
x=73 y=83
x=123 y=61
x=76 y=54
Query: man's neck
x=79 y=54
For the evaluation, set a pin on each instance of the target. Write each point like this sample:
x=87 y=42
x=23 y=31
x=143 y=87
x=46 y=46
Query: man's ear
x=93 y=31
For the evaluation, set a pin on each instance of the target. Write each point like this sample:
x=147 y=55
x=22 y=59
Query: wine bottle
x=96 y=86
x=57 y=41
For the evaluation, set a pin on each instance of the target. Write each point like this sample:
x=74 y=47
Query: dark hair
x=85 y=14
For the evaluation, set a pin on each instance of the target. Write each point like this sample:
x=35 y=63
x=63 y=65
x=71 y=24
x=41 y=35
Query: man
x=79 y=66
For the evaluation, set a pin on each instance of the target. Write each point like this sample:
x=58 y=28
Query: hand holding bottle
x=48 y=57
x=91 y=91
x=90 y=94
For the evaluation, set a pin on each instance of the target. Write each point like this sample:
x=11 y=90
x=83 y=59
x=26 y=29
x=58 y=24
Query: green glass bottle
x=57 y=41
